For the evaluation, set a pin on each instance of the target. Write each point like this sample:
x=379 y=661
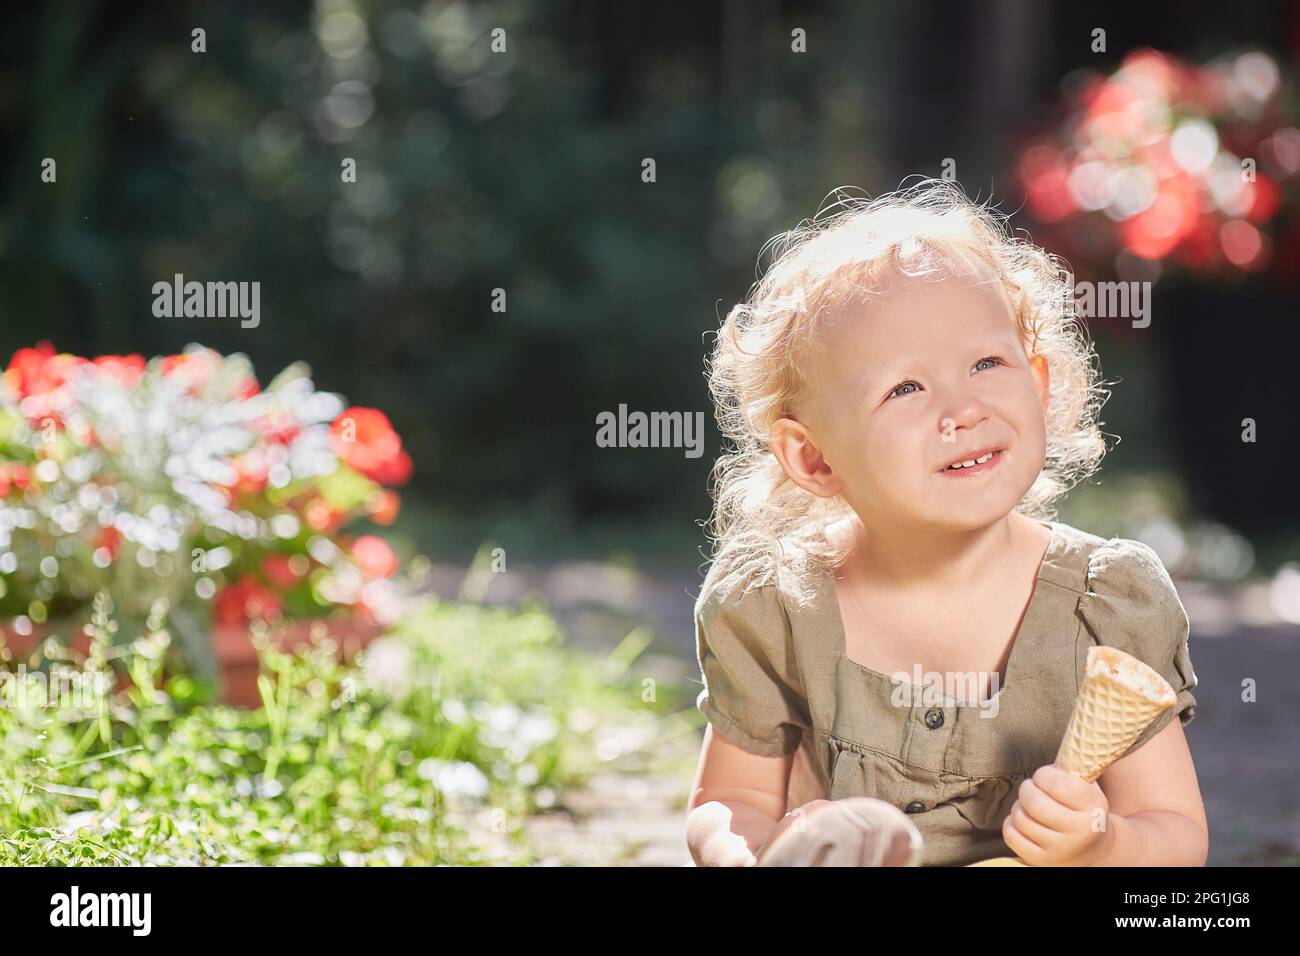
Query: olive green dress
x=777 y=681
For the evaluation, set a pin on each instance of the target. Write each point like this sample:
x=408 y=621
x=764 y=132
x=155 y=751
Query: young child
x=893 y=630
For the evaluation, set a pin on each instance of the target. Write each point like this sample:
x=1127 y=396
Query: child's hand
x=1059 y=820
x=711 y=839
x=855 y=831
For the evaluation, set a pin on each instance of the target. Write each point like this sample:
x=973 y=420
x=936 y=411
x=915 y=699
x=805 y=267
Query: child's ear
x=795 y=448
x=1043 y=374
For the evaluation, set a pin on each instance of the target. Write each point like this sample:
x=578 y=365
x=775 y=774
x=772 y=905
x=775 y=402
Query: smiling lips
x=977 y=463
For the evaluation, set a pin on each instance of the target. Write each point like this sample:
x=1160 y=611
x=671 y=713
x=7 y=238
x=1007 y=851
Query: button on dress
x=777 y=681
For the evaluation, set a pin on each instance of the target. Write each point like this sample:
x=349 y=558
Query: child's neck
x=905 y=562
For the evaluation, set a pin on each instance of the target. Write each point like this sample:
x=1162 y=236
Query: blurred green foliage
x=519 y=170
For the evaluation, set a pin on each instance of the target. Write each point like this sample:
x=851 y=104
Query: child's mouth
x=981 y=465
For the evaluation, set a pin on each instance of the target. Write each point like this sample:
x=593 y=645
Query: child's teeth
x=972 y=462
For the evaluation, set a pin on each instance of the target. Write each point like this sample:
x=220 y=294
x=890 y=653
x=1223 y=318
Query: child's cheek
x=1036 y=441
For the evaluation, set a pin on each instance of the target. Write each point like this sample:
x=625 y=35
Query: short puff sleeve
x=1131 y=604
x=753 y=694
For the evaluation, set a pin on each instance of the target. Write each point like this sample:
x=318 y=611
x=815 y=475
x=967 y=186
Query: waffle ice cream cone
x=1119 y=698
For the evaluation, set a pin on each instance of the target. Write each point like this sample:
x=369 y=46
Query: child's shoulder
x=1114 y=565
x=753 y=690
x=1129 y=602
x=745 y=587
x=1122 y=592
x=731 y=588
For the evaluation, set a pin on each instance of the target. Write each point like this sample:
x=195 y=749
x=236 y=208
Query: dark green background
x=215 y=165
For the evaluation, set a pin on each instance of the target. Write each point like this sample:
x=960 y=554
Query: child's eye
x=989 y=358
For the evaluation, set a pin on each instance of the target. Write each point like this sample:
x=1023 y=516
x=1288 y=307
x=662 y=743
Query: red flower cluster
x=247 y=599
x=364 y=438
x=13 y=474
x=260 y=573
x=38 y=377
x=110 y=539
x=282 y=570
x=1169 y=161
x=40 y=370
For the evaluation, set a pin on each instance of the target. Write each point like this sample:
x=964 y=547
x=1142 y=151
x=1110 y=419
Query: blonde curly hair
x=765 y=528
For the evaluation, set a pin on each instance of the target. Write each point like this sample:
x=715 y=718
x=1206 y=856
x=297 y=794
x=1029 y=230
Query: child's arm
x=1150 y=803
x=1146 y=807
x=1156 y=812
x=737 y=800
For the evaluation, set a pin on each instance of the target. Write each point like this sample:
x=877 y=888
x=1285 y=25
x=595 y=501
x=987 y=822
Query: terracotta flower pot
x=23 y=646
x=237 y=657
x=232 y=645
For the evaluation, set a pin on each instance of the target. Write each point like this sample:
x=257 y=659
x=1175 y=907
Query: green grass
x=448 y=733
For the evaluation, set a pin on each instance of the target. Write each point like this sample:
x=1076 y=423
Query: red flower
x=365 y=440
x=246 y=600
x=39 y=370
x=383 y=506
x=126 y=369
x=26 y=367
x=246 y=387
x=14 y=474
x=278 y=569
x=374 y=556
x=250 y=468
x=110 y=539
x=1158 y=229
x=37 y=378
x=1044 y=171
x=1264 y=199
x=320 y=516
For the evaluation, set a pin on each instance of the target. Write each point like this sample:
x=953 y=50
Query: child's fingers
x=1040 y=835
x=1066 y=788
x=1044 y=809
x=1019 y=844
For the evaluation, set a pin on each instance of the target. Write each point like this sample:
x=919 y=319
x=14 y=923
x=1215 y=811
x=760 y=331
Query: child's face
x=931 y=372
